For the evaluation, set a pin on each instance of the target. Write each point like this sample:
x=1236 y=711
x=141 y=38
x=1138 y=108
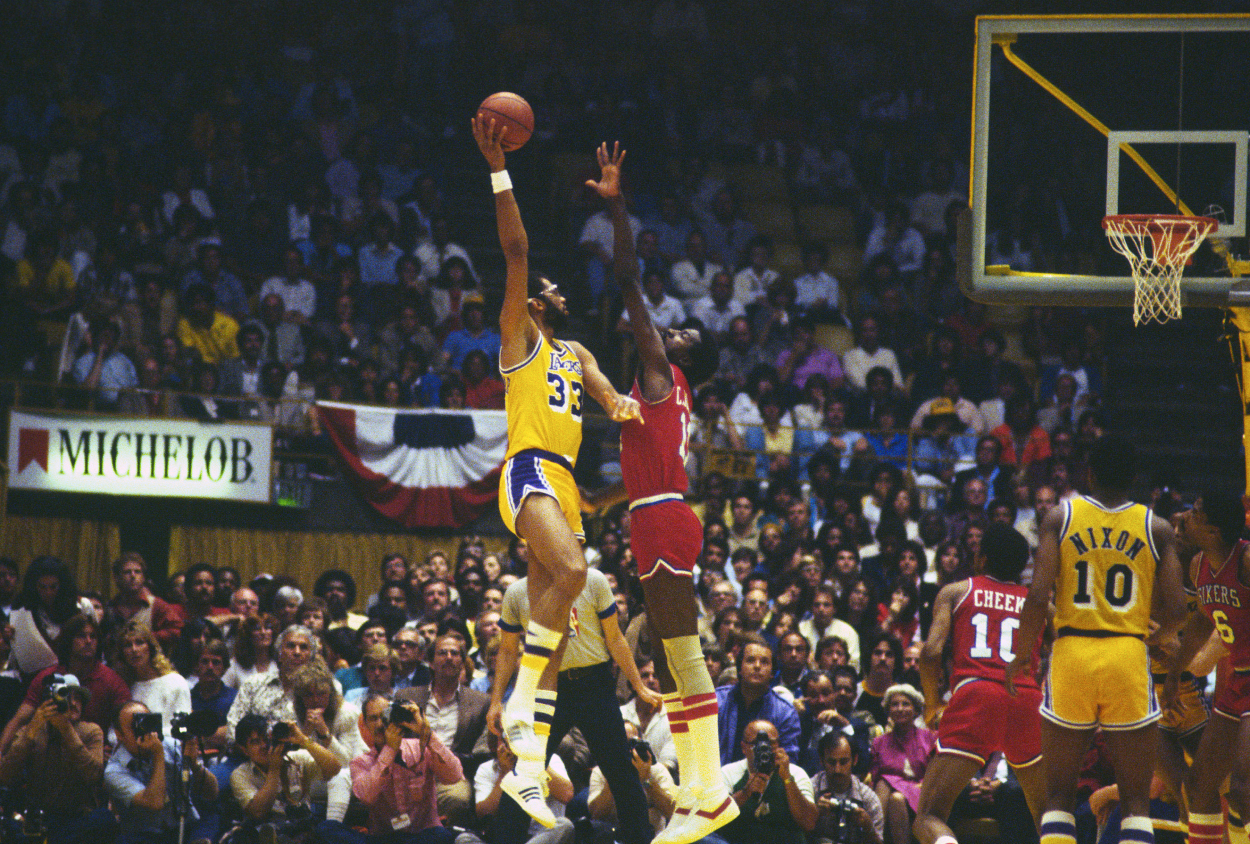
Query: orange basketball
x=510 y=110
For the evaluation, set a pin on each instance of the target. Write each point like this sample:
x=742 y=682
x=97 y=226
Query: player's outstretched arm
x=1036 y=606
x=517 y=330
x=617 y=406
x=931 y=652
x=656 y=378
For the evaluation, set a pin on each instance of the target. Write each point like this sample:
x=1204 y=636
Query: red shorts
x=1232 y=694
x=982 y=718
x=665 y=534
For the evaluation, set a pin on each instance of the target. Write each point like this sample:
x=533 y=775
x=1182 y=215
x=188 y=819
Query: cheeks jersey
x=543 y=397
x=1107 y=564
x=1226 y=601
x=983 y=632
x=653 y=451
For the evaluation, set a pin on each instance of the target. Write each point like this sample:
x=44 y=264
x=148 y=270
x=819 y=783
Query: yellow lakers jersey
x=543 y=396
x=1107 y=563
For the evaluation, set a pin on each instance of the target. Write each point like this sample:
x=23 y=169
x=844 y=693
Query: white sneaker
x=523 y=740
x=530 y=793
x=713 y=808
x=684 y=801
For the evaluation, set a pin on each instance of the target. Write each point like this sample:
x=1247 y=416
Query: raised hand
x=609 y=184
x=489 y=137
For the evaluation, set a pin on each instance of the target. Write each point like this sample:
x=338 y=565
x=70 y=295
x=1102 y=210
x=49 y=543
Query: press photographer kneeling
x=56 y=760
x=850 y=812
x=775 y=797
x=273 y=786
x=142 y=778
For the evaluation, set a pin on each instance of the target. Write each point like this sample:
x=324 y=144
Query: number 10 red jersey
x=653 y=455
x=984 y=625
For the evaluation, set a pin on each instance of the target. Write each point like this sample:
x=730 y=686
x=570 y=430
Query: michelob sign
x=115 y=455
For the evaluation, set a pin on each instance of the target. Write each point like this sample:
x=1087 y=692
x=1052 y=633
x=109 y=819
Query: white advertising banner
x=113 y=455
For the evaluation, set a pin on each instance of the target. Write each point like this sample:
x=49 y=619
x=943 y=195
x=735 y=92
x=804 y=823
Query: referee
x=585 y=697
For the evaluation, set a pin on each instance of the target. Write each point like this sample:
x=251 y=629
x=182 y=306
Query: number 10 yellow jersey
x=1107 y=564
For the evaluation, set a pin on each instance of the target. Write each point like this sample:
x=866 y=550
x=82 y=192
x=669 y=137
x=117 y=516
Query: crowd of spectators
x=811 y=621
x=290 y=217
x=241 y=208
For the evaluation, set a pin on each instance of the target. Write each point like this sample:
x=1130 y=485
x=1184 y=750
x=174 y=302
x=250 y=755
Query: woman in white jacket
x=333 y=723
x=48 y=598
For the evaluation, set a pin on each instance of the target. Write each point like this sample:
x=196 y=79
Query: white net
x=1157 y=248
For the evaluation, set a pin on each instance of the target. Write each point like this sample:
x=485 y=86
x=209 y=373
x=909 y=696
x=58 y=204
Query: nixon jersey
x=1107 y=564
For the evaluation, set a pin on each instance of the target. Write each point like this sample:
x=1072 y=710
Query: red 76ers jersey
x=1226 y=601
x=653 y=455
x=984 y=625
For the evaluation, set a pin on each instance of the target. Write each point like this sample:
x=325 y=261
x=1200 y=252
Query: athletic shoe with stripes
x=522 y=739
x=530 y=793
x=711 y=809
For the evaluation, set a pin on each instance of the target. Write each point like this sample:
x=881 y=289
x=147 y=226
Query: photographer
x=490 y=798
x=776 y=799
x=275 y=784
x=657 y=782
x=396 y=778
x=61 y=758
x=141 y=778
x=850 y=812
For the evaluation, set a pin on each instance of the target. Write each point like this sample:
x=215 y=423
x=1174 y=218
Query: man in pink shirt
x=396 y=779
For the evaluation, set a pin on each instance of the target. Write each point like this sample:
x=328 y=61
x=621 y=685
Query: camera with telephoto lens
x=201 y=724
x=643 y=749
x=762 y=753
x=56 y=689
x=146 y=722
x=838 y=823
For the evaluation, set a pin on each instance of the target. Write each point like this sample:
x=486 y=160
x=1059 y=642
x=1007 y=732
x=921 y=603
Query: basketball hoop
x=1158 y=247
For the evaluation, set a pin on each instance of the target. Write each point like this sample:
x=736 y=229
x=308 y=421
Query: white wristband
x=500 y=182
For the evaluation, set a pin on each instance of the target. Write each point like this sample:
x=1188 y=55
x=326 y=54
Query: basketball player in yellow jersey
x=1112 y=566
x=546 y=382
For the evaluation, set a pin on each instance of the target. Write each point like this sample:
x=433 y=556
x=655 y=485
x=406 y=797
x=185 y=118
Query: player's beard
x=555 y=318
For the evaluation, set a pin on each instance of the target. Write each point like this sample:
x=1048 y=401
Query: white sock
x=540 y=644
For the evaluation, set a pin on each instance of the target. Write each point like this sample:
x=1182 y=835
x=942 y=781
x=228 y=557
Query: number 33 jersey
x=543 y=399
x=983 y=632
x=1107 y=564
x=1226 y=601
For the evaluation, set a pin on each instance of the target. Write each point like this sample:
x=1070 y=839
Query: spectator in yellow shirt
x=45 y=281
x=206 y=329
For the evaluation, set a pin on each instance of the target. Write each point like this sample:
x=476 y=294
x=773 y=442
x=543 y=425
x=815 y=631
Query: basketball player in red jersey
x=980 y=616
x=1221 y=576
x=666 y=534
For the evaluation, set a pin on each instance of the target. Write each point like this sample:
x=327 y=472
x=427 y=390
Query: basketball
x=509 y=110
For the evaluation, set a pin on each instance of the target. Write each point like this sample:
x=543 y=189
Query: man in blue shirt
x=210 y=693
x=753 y=698
x=142 y=779
x=104 y=369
